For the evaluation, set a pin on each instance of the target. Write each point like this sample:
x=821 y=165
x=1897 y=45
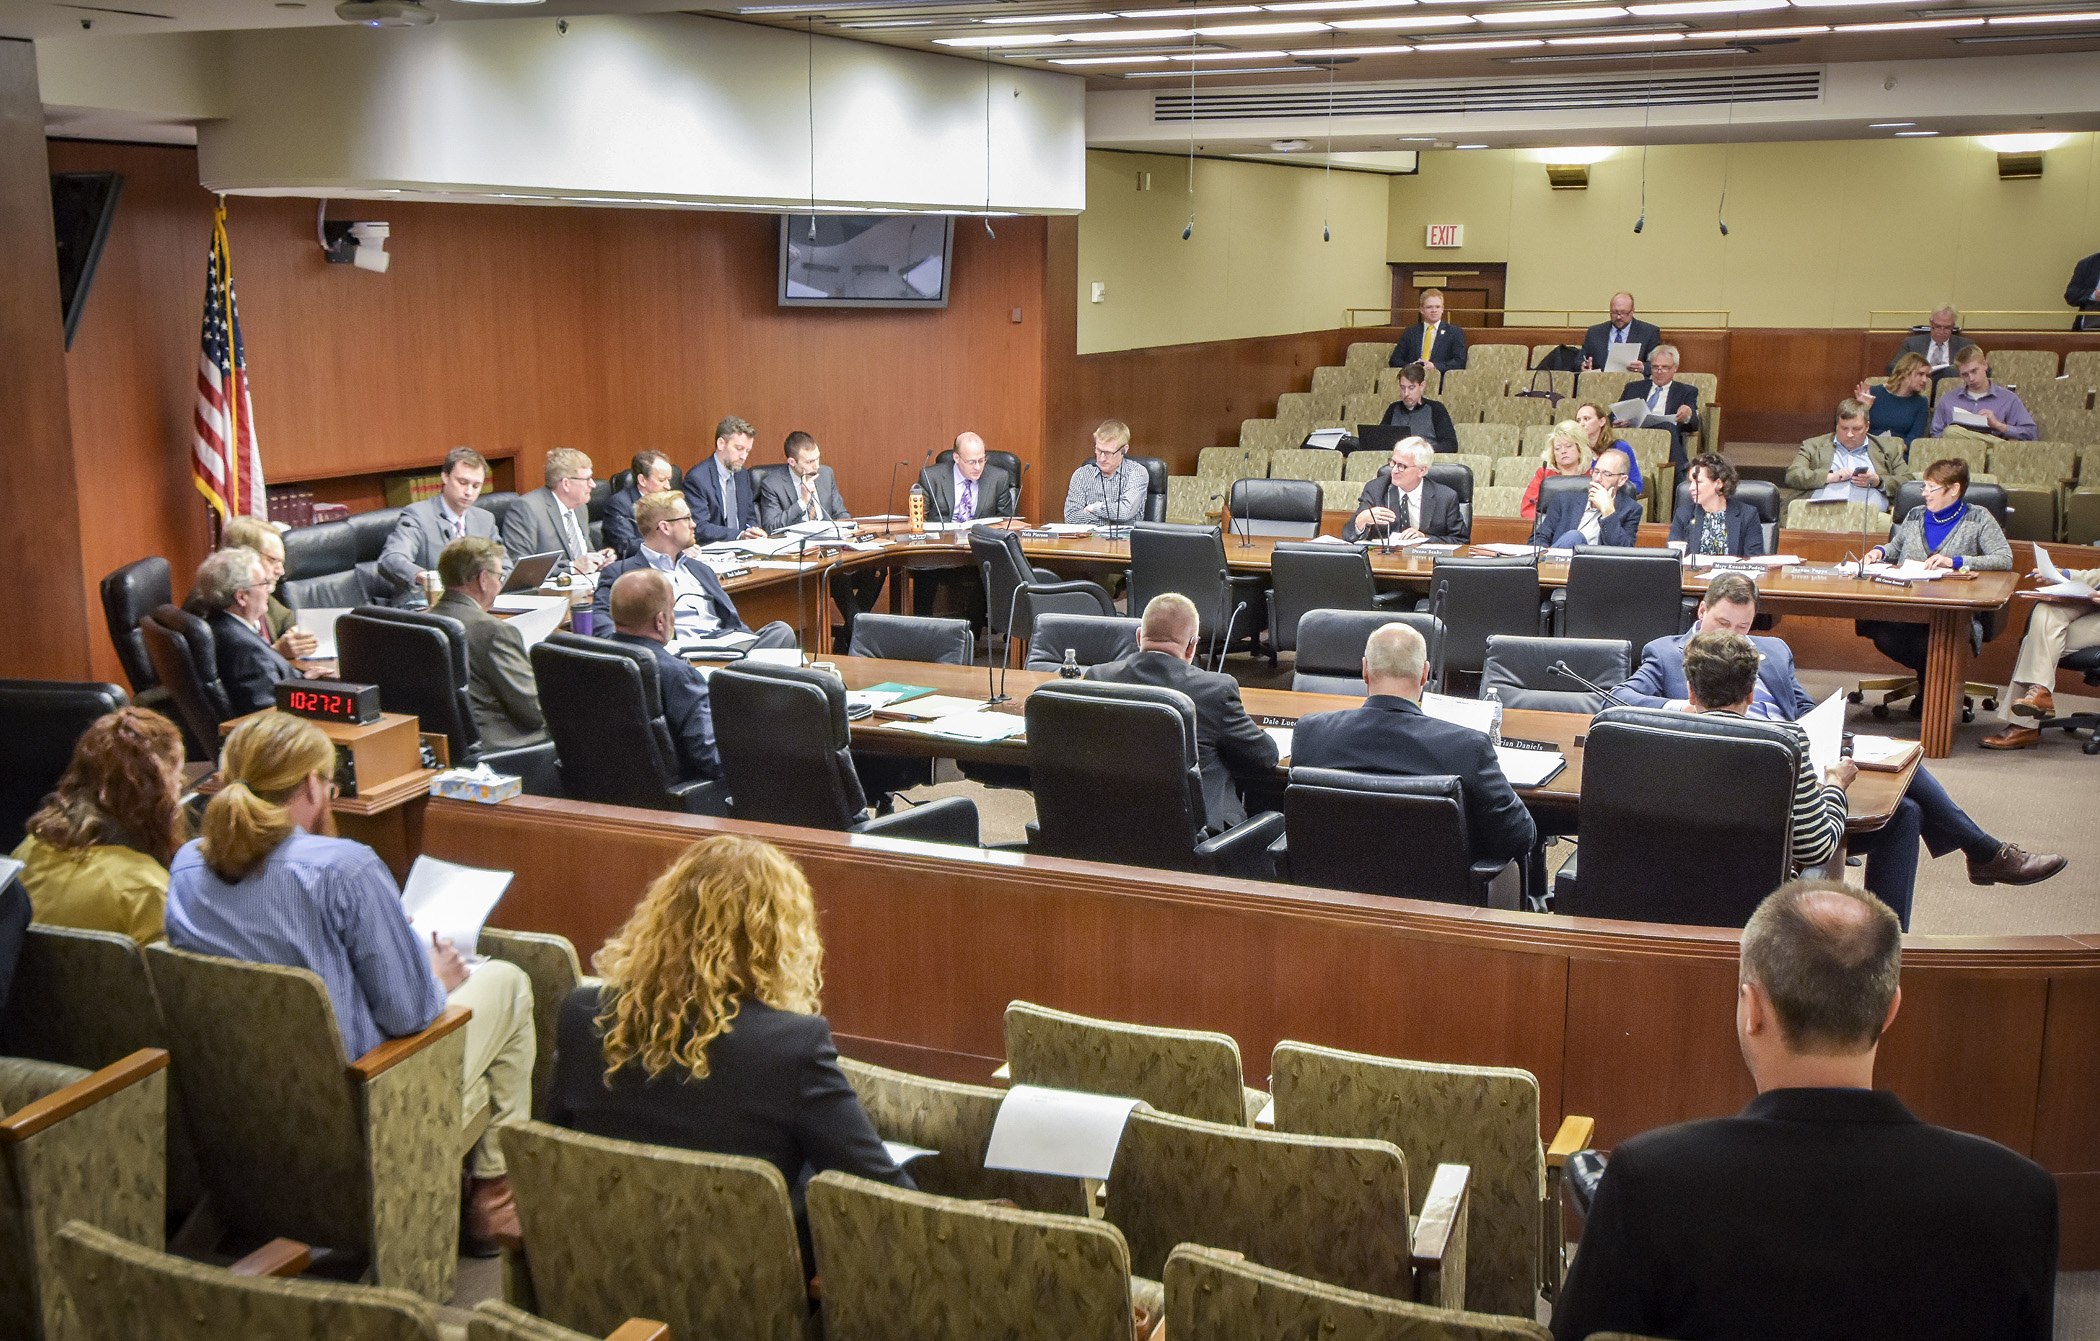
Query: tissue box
x=476 y=784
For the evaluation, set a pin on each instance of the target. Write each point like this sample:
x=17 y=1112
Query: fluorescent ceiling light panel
x=1207 y=74
x=1185 y=12
x=1106 y=60
x=1584 y=15
x=1125 y=35
x=1231 y=56
x=1262 y=29
x=1677 y=7
x=2086 y=17
x=1403 y=25
x=1503 y=45
x=1906 y=25
x=1890 y=125
x=1610 y=40
x=1001 y=40
x=1308 y=6
x=1048 y=18
x=1914 y=134
x=1312 y=53
x=1739 y=34
x=1469 y=146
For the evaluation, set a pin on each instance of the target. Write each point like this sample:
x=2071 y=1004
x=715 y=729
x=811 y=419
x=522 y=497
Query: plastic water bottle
x=1070 y=670
x=1494 y=698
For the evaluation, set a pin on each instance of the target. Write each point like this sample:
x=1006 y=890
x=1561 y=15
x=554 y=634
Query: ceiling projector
x=385 y=13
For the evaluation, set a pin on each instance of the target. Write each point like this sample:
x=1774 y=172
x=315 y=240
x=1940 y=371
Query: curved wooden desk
x=1630 y=1023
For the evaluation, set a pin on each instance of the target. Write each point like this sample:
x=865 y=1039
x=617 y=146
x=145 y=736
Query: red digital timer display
x=329 y=700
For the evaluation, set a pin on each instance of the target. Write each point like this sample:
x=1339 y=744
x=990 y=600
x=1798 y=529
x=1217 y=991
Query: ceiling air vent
x=1509 y=95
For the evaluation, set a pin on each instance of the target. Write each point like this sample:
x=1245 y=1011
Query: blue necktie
x=969 y=501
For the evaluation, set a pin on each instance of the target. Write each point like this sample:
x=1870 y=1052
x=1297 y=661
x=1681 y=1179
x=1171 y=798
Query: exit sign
x=1446 y=235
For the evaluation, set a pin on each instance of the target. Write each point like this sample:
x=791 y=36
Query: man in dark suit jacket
x=1668 y=398
x=2083 y=292
x=1570 y=518
x=552 y=517
x=1940 y=344
x=653 y=473
x=1391 y=734
x=1623 y=328
x=1401 y=500
x=1425 y=419
x=501 y=690
x=642 y=617
x=700 y=604
x=231 y=595
x=1229 y=746
x=1824 y=1209
x=425 y=528
x=720 y=492
x=1432 y=339
x=967 y=486
x=809 y=492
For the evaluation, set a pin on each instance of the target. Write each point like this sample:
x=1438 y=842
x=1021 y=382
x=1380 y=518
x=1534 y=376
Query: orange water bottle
x=918 y=506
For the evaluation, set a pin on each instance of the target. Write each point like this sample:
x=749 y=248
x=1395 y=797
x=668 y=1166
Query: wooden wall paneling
x=2067 y=1120
x=1968 y=1044
x=132 y=371
x=1651 y=1040
x=40 y=507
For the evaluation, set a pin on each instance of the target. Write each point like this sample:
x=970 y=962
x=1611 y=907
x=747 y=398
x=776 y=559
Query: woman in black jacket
x=1712 y=521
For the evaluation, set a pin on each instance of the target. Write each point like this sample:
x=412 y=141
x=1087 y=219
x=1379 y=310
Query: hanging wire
x=1647 y=112
x=810 y=84
x=1327 y=185
x=1190 y=230
x=988 y=145
x=1728 y=144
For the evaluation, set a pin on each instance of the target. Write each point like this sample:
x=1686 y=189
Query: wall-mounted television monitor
x=865 y=260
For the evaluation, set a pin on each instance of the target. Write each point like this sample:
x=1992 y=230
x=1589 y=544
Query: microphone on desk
x=1562 y=669
x=997 y=694
x=801 y=610
x=1013 y=500
x=889 y=505
x=934 y=498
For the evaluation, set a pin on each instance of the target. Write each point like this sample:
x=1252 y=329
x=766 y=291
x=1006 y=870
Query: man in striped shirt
x=1720 y=671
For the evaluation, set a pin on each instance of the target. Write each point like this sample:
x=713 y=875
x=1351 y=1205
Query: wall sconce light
x=1568 y=176
x=2020 y=156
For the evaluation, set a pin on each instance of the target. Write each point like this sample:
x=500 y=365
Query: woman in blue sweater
x=1901 y=406
x=1946 y=532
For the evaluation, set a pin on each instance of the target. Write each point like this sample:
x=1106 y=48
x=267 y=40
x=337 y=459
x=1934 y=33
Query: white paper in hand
x=2054 y=583
x=1825 y=725
x=8 y=869
x=451 y=901
x=1060 y=1132
x=1618 y=356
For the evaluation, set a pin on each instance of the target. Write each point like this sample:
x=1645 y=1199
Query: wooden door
x=1472 y=293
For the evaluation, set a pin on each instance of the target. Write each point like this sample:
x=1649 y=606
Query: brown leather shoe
x=2013 y=738
x=492 y=1217
x=2036 y=702
x=2014 y=867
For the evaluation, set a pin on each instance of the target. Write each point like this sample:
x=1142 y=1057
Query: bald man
x=1824 y=1208
x=1229 y=747
x=968 y=486
x=643 y=608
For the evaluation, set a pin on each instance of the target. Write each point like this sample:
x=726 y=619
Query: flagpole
x=235 y=505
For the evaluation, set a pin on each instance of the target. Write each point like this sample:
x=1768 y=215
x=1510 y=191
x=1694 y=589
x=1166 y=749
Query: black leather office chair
x=371 y=529
x=1287 y=508
x=1760 y=494
x=1685 y=817
x=1006 y=461
x=419 y=662
x=129 y=594
x=787 y=758
x=1983 y=628
x=1155 y=487
x=2086 y=661
x=1331 y=648
x=1116 y=779
x=1341 y=828
x=1517 y=671
x=320 y=568
x=1165 y=556
x=1458 y=479
x=605 y=711
x=760 y=474
x=946 y=642
x=621 y=479
x=1479 y=597
x=1617 y=591
x=41 y=720
x=1016 y=591
x=185 y=656
x=1553 y=486
x=1093 y=640
x=498 y=505
x=1305 y=576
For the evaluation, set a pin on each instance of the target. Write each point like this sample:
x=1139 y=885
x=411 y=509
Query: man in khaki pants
x=2055 y=626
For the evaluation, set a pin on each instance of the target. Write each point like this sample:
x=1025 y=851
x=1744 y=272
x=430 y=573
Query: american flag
x=223 y=458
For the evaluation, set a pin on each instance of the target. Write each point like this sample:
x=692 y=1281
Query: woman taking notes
x=1946 y=532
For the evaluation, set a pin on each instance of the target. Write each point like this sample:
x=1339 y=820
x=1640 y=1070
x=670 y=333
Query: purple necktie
x=969 y=501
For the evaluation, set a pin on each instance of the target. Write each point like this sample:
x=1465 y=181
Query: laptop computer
x=1380 y=437
x=530 y=571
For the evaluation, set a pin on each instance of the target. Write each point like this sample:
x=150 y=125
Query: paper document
x=1911 y=570
x=534 y=617
x=764 y=545
x=9 y=868
x=2045 y=572
x=931 y=706
x=1967 y=418
x=1508 y=550
x=1282 y=736
x=979 y=727
x=775 y=656
x=902 y=1154
x=451 y=901
x=1477 y=713
x=838 y=530
x=787 y=565
x=1057 y=1131
x=1617 y=356
x=1326 y=438
x=320 y=622
x=1885 y=753
x=720 y=646
x=1068 y=528
x=1825 y=725
x=1529 y=768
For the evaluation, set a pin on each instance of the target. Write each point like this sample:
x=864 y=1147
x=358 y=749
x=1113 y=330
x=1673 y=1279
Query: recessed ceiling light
x=1745 y=34
x=1404 y=25
x=1705 y=7
x=1261 y=29
x=1320 y=52
x=1484 y=46
x=1299 y=6
x=1889 y=125
x=1231 y=56
x=1608 y=39
x=1906 y=25
x=1597 y=57
x=1126 y=35
x=1106 y=60
x=1469 y=146
x=1001 y=40
x=1582 y=15
x=1185 y=12
x=1049 y=18
x=1209 y=74
x=1914 y=134
x=887 y=23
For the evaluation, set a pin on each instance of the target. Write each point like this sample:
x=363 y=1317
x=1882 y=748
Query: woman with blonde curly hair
x=704 y=1032
x=97 y=852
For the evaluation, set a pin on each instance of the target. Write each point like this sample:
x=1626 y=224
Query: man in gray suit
x=810 y=493
x=1940 y=344
x=551 y=517
x=427 y=527
x=500 y=687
